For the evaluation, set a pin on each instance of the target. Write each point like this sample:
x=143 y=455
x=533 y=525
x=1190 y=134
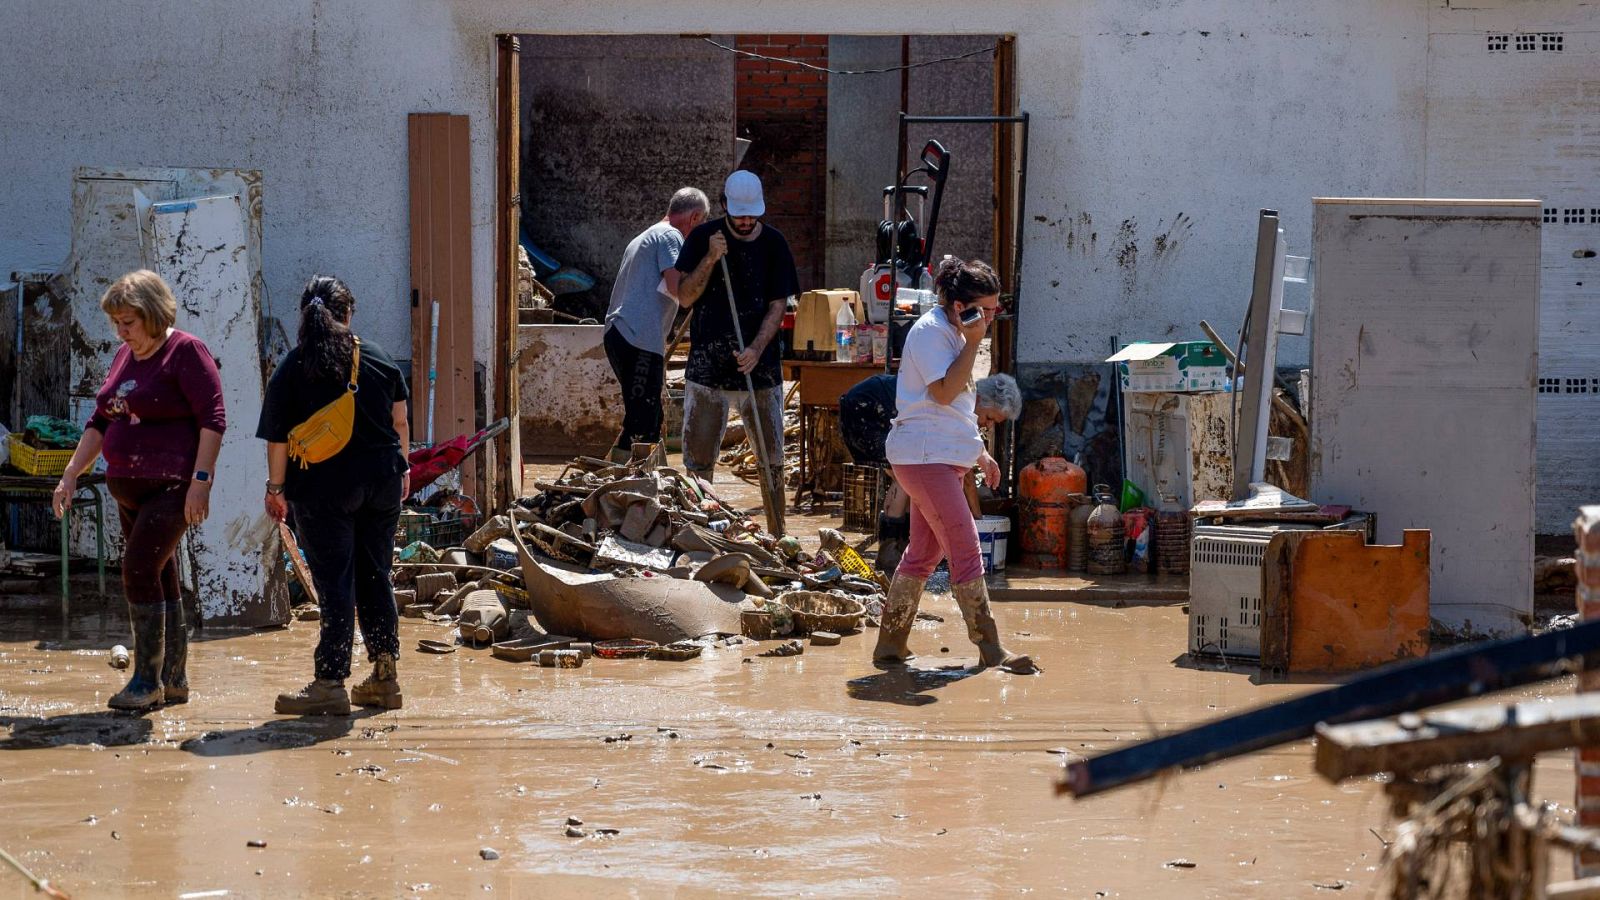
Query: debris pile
x=642 y=560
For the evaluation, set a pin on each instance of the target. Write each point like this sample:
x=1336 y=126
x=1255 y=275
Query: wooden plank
x=1413 y=742
x=441 y=270
x=506 y=452
x=1463 y=672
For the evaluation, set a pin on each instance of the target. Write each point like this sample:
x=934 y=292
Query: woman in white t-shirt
x=935 y=441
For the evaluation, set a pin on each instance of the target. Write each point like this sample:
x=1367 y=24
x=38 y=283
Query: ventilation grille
x=1228 y=553
x=1533 y=42
x=1569 y=386
x=1571 y=215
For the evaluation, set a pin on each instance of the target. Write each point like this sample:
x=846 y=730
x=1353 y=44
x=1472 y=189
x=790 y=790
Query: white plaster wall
x=1159 y=127
x=314 y=93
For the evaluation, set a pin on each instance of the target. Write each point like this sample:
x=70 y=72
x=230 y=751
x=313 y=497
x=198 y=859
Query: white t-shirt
x=927 y=431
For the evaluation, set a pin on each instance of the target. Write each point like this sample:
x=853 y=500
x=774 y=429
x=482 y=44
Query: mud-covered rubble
x=632 y=536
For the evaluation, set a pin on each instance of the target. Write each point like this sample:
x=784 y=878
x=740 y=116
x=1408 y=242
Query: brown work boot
x=973 y=598
x=381 y=688
x=323 y=697
x=899 y=614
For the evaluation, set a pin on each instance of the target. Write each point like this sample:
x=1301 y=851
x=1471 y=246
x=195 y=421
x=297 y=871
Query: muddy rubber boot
x=143 y=691
x=175 y=665
x=323 y=697
x=973 y=598
x=381 y=688
x=899 y=614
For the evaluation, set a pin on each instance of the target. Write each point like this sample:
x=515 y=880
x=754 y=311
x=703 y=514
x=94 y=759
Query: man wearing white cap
x=764 y=278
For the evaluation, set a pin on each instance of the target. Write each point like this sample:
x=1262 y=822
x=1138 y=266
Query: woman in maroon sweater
x=158 y=420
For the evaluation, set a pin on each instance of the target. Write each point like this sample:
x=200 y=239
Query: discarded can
x=119 y=657
x=583 y=647
x=561 y=659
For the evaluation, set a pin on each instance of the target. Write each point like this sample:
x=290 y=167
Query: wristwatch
x=274 y=489
x=202 y=475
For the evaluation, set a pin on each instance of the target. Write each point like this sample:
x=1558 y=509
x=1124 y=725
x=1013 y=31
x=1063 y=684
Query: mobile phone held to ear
x=971 y=314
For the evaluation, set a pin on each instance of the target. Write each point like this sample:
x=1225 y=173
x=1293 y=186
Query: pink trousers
x=941 y=523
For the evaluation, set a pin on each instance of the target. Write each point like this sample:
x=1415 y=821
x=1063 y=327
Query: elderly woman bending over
x=933 y=443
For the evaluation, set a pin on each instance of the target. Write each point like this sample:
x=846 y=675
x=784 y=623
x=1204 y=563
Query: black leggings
x=642 y=375
x=151 y=511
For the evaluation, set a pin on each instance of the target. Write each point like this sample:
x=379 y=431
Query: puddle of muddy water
x=817 y=773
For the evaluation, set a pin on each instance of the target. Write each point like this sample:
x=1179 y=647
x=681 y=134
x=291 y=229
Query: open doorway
x=609 y=126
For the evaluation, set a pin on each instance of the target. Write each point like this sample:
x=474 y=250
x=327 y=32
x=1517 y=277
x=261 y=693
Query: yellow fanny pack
x=328 y=430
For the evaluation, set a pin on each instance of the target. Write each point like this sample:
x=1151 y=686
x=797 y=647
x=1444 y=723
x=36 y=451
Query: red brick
x=818 y=39
x=763 y=78
x=806 y=53
x=783 y=91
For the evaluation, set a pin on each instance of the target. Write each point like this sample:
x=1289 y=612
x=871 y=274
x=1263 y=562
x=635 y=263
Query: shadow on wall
x=1070 y=409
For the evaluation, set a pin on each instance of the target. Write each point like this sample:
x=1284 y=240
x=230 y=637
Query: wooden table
x=820 y=386
x=38 y=489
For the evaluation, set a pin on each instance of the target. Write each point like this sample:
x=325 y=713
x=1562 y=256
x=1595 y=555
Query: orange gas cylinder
x=1044 y=490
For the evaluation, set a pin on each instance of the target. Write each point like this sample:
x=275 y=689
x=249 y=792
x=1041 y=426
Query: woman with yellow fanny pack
x=333 y=419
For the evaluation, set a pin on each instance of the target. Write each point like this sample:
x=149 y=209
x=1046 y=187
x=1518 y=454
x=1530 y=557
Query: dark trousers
x=642 y=375
x=348 y=539
x=151 y=511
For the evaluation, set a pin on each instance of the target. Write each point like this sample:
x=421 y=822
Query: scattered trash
x=489 y=853
x=257 y=843
x=678 y=651
x=1179 y=864
x=787 y=648
x=429 y=645
x=1330 y=886
x=824 y=639
x=574 y=820
x=574 y=831
x=119 y=657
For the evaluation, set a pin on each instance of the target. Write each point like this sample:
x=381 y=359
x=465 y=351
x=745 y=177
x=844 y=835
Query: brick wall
x=783 y=109
x=1587 y=530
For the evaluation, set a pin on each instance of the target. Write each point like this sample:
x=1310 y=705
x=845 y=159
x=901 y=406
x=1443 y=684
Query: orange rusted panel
x=1353 y=606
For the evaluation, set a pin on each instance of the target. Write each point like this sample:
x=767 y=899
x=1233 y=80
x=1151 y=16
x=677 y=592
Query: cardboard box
x=1178 y=367
x=815 y=317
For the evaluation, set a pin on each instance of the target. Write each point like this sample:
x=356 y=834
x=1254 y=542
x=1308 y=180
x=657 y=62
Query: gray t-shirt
x=639 y=310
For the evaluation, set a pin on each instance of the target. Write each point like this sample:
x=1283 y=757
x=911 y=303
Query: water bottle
x=844 y=334
x=119 y=657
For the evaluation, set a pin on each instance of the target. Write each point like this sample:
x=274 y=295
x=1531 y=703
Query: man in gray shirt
x=644 y=299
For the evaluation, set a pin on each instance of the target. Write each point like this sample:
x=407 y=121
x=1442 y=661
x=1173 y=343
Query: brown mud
x=726 y=774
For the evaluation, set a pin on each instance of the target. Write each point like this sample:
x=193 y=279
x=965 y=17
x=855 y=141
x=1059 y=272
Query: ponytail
x=326 y=343
x=958 y=281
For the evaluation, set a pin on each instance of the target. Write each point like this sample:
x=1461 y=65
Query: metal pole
x=433 y=366
x=772 y=496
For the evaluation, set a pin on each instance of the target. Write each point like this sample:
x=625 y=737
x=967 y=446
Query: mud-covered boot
x=893 y=535
x=899 y=614
x=973 y=598
x=381 y=688
x=323 y=697
x=175 y=665
x=143 y=691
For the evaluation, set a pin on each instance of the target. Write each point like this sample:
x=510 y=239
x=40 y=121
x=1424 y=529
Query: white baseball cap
x=742 y=193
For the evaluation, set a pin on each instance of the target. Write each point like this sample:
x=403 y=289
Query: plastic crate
x=442 y=533
x=863 y=497
x=34 y=461
x=413 y=526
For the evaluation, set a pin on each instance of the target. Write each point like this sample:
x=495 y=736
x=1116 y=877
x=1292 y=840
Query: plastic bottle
x=1106 y=535
x=119 y=657
x=844 y=332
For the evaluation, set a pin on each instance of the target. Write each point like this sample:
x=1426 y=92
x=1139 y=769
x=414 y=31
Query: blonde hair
x=145 y=293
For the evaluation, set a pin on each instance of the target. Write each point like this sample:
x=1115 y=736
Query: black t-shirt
x=374 y=449
x=762 y=271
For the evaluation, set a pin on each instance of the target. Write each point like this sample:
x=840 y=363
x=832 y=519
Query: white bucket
x=993 y=532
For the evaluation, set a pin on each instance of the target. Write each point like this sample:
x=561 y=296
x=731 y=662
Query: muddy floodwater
x=723 y=775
